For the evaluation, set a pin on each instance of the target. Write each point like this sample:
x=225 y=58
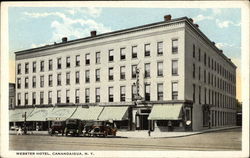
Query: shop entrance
x=144 y=122
x=142 y=119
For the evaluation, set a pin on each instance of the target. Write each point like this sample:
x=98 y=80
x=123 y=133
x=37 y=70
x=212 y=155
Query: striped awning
x=61 y=113
x=114 y=113
x=39 y=114
x=88 y=114
x=18 y=115
x=166 y=112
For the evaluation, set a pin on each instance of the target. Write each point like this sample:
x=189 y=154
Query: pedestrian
x=149 y=132
x=19 y=131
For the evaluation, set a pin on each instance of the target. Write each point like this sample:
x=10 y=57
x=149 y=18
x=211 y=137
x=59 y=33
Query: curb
x=152 y=137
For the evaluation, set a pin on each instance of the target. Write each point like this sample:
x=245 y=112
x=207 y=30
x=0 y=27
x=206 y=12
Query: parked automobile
x=103 y=129
x=57 y=127
x=88 y=127
x=74 y=127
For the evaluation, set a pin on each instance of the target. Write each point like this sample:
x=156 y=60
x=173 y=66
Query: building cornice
x=130 y=30
x=104 y=35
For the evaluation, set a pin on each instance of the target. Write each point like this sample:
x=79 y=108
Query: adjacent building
x=164 y=76
x=12 y=95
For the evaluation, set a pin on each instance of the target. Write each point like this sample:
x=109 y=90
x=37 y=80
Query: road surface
x=225 y=140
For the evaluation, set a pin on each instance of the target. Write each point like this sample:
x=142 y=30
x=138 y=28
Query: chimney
x=221 y=51
x=167 y=17
x=93 y=33
x=213 y=43
x=191 y=20
x=64 y=39
x=196 y=25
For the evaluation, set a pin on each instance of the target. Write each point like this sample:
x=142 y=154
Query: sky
x=31 y=27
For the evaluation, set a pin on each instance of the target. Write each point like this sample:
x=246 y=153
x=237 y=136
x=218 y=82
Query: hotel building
x=161 y=76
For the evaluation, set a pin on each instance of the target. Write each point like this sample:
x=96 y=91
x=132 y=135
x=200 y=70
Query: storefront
x=37 y=119
x=18 y=116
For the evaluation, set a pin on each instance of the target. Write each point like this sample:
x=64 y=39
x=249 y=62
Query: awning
x=114 y=113
x=92 y=114
x=166 y=112
x=80 y=113
x=17 y=115
x=39 y=114
x=61 y=113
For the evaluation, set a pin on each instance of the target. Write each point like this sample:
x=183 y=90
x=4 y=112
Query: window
x=199 y=55
x=174 y=46
x=98 y=57
x=122 y=93
x=87 y=59
x=122 y=54
x=41 y=97
x=147 y=70
x=205 y=59
x=159 y=48
x=59 y=80
x=58 y=96
x=77 y=77
x=33 y=98
x=26 y=99
x=18 y=83
x=174 y=90
x=67 y=96
x=160 y=91
x=147 y=50
x=205 y=76
x=19 y=99
x=87 y=95
x=87 y=76
x=26 y=82
x=97 y=95
x=193 y=70
x=174 y=67
x=78 y=60
x=111 y=94
x=26 y=68
x=193 y=51
x=205 y=95
x=50 y=65
x=68 y=78
x=199 y=94
x=34 y=81
x=67 y=62
x=199 y=73
x=42 y=66
x=111 y=55
x=50 y=81
x=77 y=96
x=41 y=81
x=212 y=64
x=147 y=92
x=59 y=63
x=134 y=92
x=50 y=97
x=208 y=62
x=122 y=73
x=160 y=69
x=111 y=75
x=34 y=66
x=134 y=67
x=194 y=93
x=19 y=69
x=134 y=51
x=97 y=75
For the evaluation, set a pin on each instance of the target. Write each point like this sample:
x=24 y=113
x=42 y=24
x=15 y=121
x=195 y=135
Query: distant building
x=168 y=74
x=12 y=95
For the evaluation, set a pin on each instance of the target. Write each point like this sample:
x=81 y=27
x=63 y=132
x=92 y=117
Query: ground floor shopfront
x=153 y=116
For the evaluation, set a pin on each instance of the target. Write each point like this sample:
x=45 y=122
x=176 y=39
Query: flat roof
x=124 y=31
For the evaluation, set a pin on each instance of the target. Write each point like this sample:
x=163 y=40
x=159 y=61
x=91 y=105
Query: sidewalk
x=144 y=133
